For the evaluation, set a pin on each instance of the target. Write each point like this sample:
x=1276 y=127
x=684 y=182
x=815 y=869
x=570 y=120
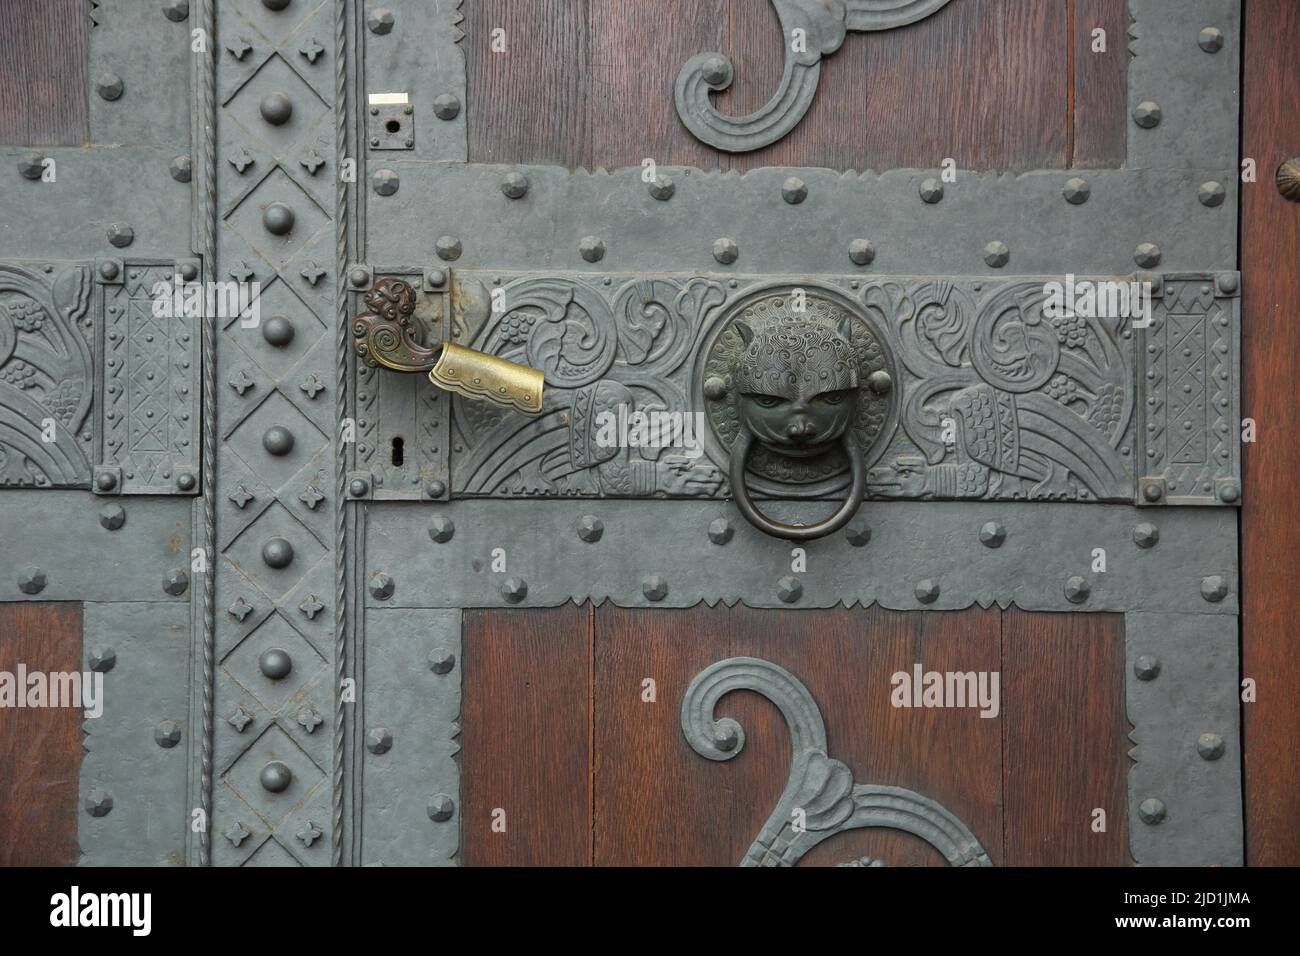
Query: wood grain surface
x=43 y=73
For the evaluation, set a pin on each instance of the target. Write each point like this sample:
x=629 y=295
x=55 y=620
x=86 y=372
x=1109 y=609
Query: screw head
x=167 y=734
x=1147 y=114
x=385 y=181
x=1229 y=491
x=109 y=86
x=1210 y=40
x=381 y=586
x=380 y=20
x=441 y=808
x=278 y=219
x=590 y=528
x=1077 y=589
x=996 y=254
x=794 y=190
x=514 y=590
x=1145 y=534
x=927 y=591
x=112 y=517
x=861 y=252
x=1211 y=193
x=441 y=660
x=446 y=106
x=121 y=235
x=278 y=440
x=277 y=552
x=1147 y=255
x=993 y=534
x=31 y=165
x=276 y=108
x=448 y=248
x=721 y=531
x=1076 y=191
x=662 y=188
x=931 y=190
x=858 y=534
x=1214 y=588
x=31 y=580
x=275 y=663
x=1210 y=746
x=655 y=588
x=789 y=590
x=175 y=582
x=1151 y=810
x=278 y=331
x=441 y=529
x=186 y=481
x=379 y=740
x=276 y=777
x=592 y=248
x=514 y=185
x=102 y=659
x=435 y=489
x=726 y=251
x=1146 y=667
x=99 y=802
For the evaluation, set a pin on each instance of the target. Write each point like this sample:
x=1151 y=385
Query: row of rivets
x=32 y=580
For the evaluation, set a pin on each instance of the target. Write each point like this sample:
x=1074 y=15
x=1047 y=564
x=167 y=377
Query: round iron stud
x=655 y=588
x=381 y=586
x=1077 y=589
x=1210 y=40
x=1076 y=191
x=380 y=21
x=514 y=185
x=590 y=528
x=99 y=802
x=112 y=517
x=276 y=777
x=167 y=734
x=441 y=808
x=1146 y=667
x=514 y=590
x=789 y=590
x=31 y=580
x=275 y=663
x=278 y=219
x=446 y=107
x=720 y=531
x=379 y=740
x=1147 y=114
x=278 y=331
x=441 y=529
x=1146 y=535
x=794 y=190
x=276 y=108
x=109 y=86
x=176 y=582
x=662 y=188
x=1210 y=746
x=1152 y=811
x=592 y=248
x=1214 y=588
x=861 y=252
x=121 y=235
x=278 y=440
x=277 y=552
x=726 y=251
x=441 y=660
x=927 y=591
x=993 y=534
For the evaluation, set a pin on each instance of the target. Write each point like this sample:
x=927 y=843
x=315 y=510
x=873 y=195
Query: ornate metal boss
x=391 y=336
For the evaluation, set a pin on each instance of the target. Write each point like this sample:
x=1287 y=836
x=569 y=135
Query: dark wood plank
x=1066 y=739
x=43 y=73
x=1099 y=100
x=1270 y=524
x=525 y=738
x=40 y=749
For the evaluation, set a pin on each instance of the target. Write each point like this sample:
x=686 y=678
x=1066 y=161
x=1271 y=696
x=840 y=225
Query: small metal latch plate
x=390 y=121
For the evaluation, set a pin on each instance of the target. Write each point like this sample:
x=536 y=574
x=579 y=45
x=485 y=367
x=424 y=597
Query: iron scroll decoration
x=813 y=29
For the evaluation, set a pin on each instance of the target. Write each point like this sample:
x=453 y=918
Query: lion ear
x=846 y=329
x=744 y=331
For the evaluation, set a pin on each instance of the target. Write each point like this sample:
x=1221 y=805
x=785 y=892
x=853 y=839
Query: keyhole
x=399 y=452
x=393 y=126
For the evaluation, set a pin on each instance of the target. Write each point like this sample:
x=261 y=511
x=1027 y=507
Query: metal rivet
x=794 y=190
x=726 y=251
x=276 y=776
x=435 y=489
x=726 y=737
x=109 y=86
x=441 y=529
x=1227 y=282
x=278 y=219
x=99 y=802
x=1146 y=535
x=590 y=528
x=1152 y=491
x=1151 y=810
x=167 y=734
x=385 y=181
x=1214 y=588
x=379 y=740
x=662 y=188
x=592 y=248
x=927 y=591
x=275 y=6
x=359 y=277
x=514 y=590
x=108 y=270
x=31 y=165
x=121 y=235
x=721 y=531
x=931 y=190
x=31 y=580
x=514 y=185
x=716 y=71
x=1229 y=491
x=1146 y=667
x=278 y=331
x=437 y=277
x=102 y=659
x=1210 y=746
x=441 y=808
x=655 y=588
x=181 y=169
x=278 y=440
x=275 y=663
x=446 y=107
x=358 y=487
x=186 y=481
x=276 y=108
x=380 y=20
x=189 y=271
x=996 y=254
x=112 y=517
x=861 y=252
x=1077 y=589
x=1210 y=40
x=1288 y=179
x=715 y=388
x=1147 y=255
x=176 y=10
x=858 y=534
x=441 y=660
x=1076 y=191
x=789 y=590
x=448 y=248
x=1147 y=114
x=381 y=586
x=176 y=582
x=277 y=552
x=1211 y=193
x=993 y=534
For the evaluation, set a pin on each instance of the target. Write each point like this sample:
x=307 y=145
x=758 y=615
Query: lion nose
x=802 y=431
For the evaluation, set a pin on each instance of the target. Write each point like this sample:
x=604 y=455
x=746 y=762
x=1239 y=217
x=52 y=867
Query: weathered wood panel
x=43 y=73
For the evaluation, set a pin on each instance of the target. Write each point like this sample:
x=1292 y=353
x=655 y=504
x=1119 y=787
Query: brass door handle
x=389 y=336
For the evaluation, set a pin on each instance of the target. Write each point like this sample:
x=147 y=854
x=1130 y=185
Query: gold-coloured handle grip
x=487 y=378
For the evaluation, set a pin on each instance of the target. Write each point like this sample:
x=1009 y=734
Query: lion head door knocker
x=391 y=335
x=797 y=387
